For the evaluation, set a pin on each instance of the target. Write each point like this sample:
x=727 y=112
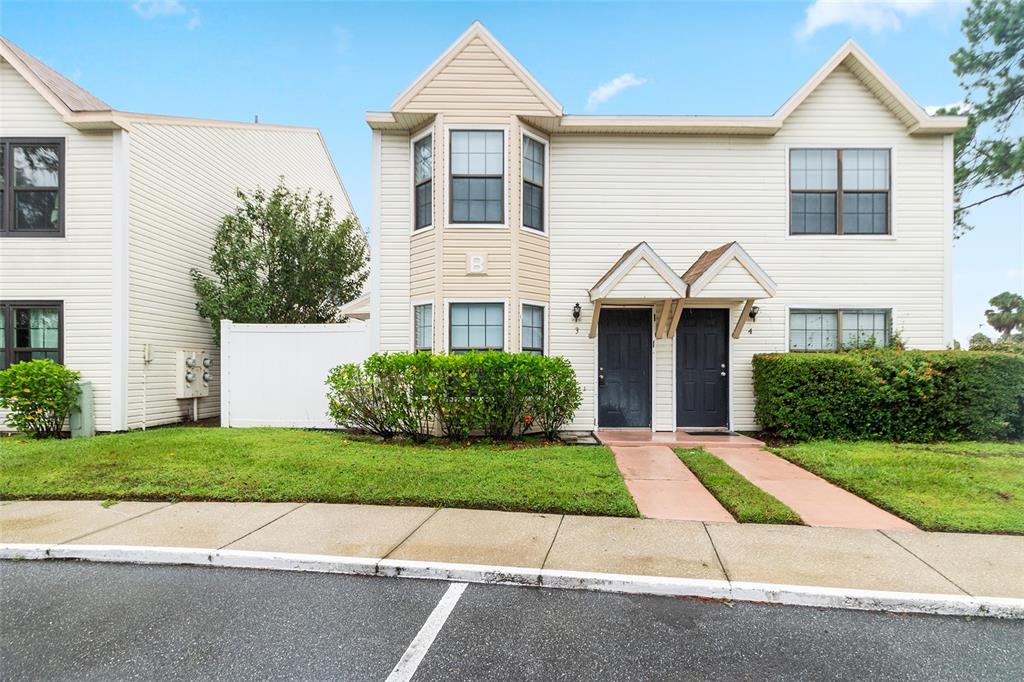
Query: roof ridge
x=75 y=97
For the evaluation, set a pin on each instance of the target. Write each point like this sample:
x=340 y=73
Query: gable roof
x=72 y=96
x=710 y=263
x=475 y=32
x=641 y=253
x=849 y=56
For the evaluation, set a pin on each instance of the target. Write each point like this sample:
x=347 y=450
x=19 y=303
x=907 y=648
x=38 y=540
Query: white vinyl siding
x=393 y=272
x=685 y=194
x=183 y=182
x=77 y=268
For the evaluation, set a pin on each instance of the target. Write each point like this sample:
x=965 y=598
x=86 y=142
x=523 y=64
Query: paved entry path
x=663 y=488
x=818 y=502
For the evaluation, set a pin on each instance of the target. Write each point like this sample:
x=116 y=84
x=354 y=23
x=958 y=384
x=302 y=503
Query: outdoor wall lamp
x=754 y=310
x=576 y=312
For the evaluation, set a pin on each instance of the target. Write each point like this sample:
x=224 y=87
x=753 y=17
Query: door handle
x=723 y=374
x=600 y=376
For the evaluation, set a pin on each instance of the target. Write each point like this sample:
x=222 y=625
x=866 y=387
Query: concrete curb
x=795 y=595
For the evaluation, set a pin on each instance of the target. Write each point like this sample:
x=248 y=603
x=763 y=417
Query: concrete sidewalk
x=952 y=564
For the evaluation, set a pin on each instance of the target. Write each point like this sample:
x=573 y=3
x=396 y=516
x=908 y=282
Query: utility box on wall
x=193 y=374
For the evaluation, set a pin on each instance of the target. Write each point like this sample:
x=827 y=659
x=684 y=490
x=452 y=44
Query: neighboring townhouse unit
x=657 y=253
x=104 y=213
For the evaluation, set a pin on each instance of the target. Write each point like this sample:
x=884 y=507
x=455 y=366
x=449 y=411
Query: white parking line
x=413 y=656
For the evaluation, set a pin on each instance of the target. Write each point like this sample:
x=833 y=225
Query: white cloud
x=964 y=107
x=874 y=15
x=150 y=9
x=154 y=9
x=606 y=91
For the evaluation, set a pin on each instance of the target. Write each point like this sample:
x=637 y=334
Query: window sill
x=824 y=237
x=421 y=230
x=31 y=235
x=534 y=231
x=473 y=226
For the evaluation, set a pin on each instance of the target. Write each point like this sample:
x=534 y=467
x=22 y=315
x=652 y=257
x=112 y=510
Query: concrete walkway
x=663 y=488
x=815 y=500
x=935 y=563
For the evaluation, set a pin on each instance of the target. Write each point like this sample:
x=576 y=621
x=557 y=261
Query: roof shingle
x=73 y=96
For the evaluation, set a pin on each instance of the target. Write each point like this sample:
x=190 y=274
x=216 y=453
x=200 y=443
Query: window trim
x=428 y=130
x=448 y=130
x=839 y=147
x=447 y=316
x=6 y=308
x=7 y=215
x=889 y=309
x=544 y=307
x=416 y=303
x=545 y=214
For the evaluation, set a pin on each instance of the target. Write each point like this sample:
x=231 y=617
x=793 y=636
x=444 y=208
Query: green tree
x=980 y=342
x=282 y=257
x=1006 y=314
x=989 y=152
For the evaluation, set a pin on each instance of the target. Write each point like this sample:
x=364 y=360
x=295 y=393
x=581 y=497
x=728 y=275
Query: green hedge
x=915 y=396
x=502 y=395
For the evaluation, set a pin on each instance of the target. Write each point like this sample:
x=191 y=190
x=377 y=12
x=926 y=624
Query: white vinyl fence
x=273 y=374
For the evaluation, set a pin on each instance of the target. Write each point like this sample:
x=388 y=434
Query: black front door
x=702 y=368
x=624 y=368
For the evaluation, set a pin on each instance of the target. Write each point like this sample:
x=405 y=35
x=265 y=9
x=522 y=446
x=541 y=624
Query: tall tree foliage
x=282 y=257
x=1006 y=315
x=989 y=152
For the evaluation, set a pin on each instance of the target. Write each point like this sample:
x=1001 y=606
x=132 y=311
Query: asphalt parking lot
x=67 y=620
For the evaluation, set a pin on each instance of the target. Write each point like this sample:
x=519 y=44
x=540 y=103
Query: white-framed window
x=423 y=181
x=477 y=182
x=839 y=191
x=476 y=326
x=827 y=330
x=532 y=331
x=423 y=327
x=534 y=182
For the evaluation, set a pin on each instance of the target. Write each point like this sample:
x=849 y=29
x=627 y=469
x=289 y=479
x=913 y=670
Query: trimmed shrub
x=39 y=395
x=916 y=396
x=501 y=395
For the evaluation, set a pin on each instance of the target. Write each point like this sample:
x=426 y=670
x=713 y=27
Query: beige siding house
x=657 y=253
x=104 y=214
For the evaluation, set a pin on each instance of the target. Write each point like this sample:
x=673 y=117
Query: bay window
x=533 y=329
x=476 y=326
x=533 y=183
x=423 y=325
x=478 y=176
x=423 y=181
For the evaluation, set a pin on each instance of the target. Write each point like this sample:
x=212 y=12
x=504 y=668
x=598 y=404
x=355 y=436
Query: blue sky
x=325 y=64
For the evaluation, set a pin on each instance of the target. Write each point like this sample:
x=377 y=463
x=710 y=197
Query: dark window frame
x=416 y=185
x=543 y=329
x=839 y=191
x=839 y=312
x=468 y=349
x=429 y=348
x=7 y=311
x=452 y=176
x=542 y=187
x=7 y=214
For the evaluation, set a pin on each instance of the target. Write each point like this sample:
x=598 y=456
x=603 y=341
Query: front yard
x=276 y=465
x=971 y=487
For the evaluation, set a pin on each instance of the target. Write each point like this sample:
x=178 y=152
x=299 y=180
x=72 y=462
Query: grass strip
x=744 y=500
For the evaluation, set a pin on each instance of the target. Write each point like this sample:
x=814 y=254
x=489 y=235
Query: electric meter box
x=193 y=374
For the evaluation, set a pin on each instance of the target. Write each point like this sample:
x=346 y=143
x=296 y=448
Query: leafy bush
x=502 y=395
x=39 y=396
x=915 y=396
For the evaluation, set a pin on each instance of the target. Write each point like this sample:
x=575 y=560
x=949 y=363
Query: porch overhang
x=641 y=277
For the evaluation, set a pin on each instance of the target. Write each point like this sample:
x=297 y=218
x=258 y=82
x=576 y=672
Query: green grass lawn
x=970 y=487
x=744 y=500
x=276 y=465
